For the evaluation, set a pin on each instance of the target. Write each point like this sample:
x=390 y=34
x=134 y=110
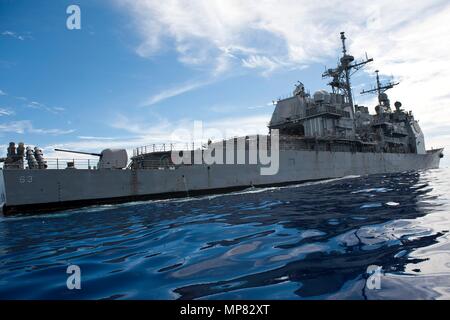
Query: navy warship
x=313 y=137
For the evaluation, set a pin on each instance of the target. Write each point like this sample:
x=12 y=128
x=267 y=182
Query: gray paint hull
x=32 y=190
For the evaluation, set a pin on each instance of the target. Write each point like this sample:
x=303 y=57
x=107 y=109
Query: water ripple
x=308 y=241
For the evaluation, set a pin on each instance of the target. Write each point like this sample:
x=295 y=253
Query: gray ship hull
x=48 y=190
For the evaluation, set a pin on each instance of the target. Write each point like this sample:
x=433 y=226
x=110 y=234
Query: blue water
x=309 y=241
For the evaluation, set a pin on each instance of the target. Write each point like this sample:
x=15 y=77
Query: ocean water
x=309 y=241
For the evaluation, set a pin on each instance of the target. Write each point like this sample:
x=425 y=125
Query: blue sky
x=137 y=70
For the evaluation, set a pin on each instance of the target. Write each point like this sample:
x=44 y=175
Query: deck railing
x=69 y=163
x=162 y=147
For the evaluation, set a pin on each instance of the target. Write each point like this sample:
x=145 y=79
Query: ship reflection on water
x=311 y=241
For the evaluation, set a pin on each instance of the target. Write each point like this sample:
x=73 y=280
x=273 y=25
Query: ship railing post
x=153 y=147
x=89 y=163
x=57 y=163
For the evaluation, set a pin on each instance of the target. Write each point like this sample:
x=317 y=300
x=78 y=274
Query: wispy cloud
x=163 y=132
x=13 y=35
x=138 y=127
x=54 y=132
x=266 y=34
x=175 y=91
x=26 y=126
x=261 y=106
x=6 y=112
x=224 y=34
x=36 y=105
x=94 y=138
x=266 y=64
x=41 y=106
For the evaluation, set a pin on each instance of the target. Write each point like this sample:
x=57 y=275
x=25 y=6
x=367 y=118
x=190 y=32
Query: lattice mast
x=341 y=75
x=380 y=88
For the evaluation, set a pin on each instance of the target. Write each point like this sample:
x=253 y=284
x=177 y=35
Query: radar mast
x=341 y=75
x=381 y=88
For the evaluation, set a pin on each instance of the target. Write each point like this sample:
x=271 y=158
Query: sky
x=138 y=70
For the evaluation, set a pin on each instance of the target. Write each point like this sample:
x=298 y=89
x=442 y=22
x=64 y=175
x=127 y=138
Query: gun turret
x=80 y=152
x=109 y=158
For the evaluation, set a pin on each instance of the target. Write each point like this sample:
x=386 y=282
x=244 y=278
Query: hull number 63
x=26 y=179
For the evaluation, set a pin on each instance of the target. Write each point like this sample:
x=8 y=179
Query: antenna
x=344 y=49
x=341 y=75
x=380 y=88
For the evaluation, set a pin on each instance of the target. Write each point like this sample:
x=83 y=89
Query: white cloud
x=262 y=106
x=262 y=62
x=6 y=112
x=55 y=132
x=407 y=38
x=269 y=34
x=41 y=106
x=35 y=104
x=26 y=126
x=94 y=138
x=174 y=91
x=13 y=35
x=138 y=127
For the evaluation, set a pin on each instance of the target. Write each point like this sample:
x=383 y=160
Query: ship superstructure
x=330 y=121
